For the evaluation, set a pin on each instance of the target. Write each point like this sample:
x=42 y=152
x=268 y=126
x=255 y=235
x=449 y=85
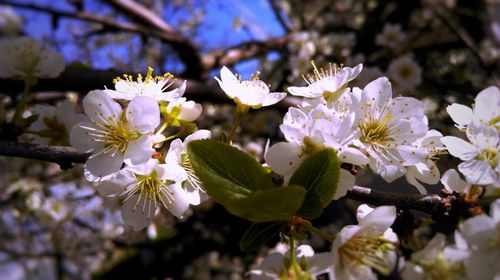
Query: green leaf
x=227 y=173
x=278 y=204
x=259 y=234
x=319 y=174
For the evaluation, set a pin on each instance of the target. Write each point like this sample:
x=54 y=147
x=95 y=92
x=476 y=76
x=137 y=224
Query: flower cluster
x=366 y=127
x=125 y=146
x=481 y=155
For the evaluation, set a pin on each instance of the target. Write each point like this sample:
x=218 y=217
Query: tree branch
x=84 y=80
x=439 y=205
x=64 y=156
x=278 y=12
x=444 y=205
x=243 y=51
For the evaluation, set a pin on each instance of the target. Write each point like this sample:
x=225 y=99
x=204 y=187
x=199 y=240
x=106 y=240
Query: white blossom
x=113 y=135
x=24 y=57
x=392 y=36
x=480 y=157
x=54 y=123
x=146 y=187
x=370 y=244
x=177 y=153
x=182 y=110
x=10 y=22
x=252 y=93
x=388 y=128
x=434 y=261
x=152 y=86
x=271 y=268
x=426 y=171
x=327 y=84
x=404 y=73
x=308 y=132
x=486 y=110
x=482 y=236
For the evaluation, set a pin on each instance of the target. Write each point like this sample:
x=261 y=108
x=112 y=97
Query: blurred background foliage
x=52 y=223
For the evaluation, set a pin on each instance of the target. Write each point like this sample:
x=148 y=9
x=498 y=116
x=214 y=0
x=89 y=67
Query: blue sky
x=216 y=28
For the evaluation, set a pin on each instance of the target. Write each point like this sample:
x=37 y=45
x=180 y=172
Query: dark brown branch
x=85 y=80
x=64 y=156
x=454 y=25
x=278 y=12
x=244 y=51
x=443 y=206
x=431 y=203
x=439 y=205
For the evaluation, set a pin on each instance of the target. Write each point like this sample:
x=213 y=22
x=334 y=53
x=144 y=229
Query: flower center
x=490 y=156
x=367 y=250
x=55 y=131
x=153 y=188
x=142 y=81
x=375 y=131
x=113 y=134
x=319 y=74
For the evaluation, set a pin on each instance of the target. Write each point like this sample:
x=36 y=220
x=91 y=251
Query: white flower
x=308 y=132
x=272 y=268
x=177 y=153
x=482 y=235
x=481 y=157
x=370 y=244
x=452 y=182
x=251 y=93
x=23 y=57
x=389 y=127
x=10 y=22
x=486 y=110
x=404 y=73
x=54 y=123
x=426 y=171
x=114 y=135
x=434 y=262
x=327 y=84
x=182 y=110
x=392 y=36
x=152 y=86
x=145 y=188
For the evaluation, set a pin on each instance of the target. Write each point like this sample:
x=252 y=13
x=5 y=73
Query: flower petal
x=284 y=158
x=460 y=114
x=380 y=219
x=346 y=182
x=459 y=148
x=100 y=107
x=104 y=164
x=81 y=140
x=143 y=113
x=139 y=150
x=137 y=211
x=478 y=172
x=179 y=203
x=273 y=98
x=452 y=181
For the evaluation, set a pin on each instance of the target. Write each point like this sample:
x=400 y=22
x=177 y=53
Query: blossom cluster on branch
x=147 y=155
